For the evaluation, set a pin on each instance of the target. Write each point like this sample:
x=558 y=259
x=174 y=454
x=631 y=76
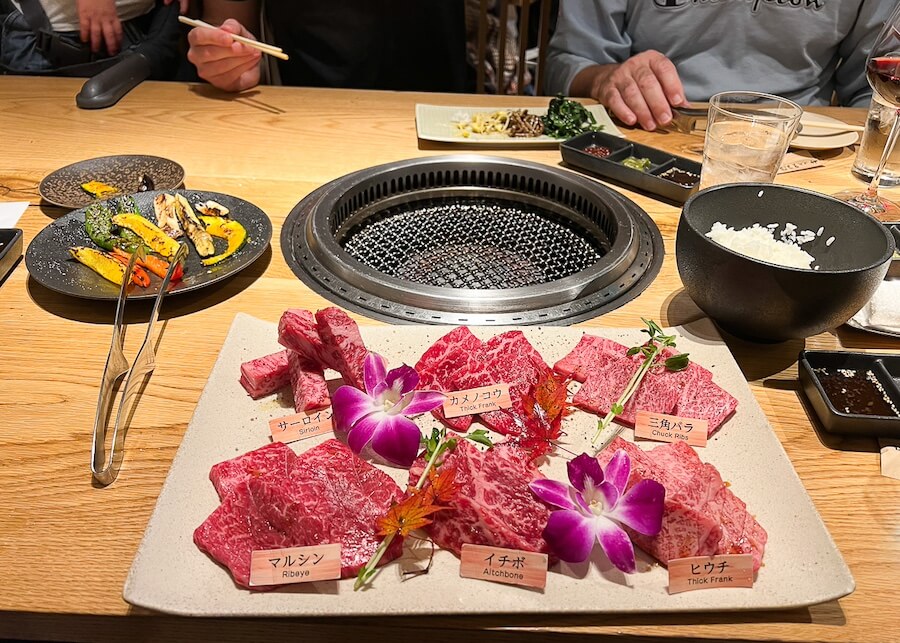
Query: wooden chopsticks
x=271 y=50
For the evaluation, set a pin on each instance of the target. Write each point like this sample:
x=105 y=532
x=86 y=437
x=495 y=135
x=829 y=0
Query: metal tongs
x=106 y=469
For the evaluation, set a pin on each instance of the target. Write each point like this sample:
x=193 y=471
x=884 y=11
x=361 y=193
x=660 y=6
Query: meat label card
x=510 y=566
x=301 y=426
x=705 y=572
x=477 y=400
x=670 y=428
x=295 y=564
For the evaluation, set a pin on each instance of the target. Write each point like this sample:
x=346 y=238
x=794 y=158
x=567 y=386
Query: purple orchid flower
x=378 y=417
x=594 y=508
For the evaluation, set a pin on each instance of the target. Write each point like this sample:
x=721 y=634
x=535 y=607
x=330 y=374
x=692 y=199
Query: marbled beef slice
x=344 y=350
x=328 y=495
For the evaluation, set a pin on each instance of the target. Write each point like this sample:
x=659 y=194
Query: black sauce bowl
x=762 y=301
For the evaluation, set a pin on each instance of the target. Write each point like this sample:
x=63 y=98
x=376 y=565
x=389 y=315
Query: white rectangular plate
x=436 y=123
x=802 y=565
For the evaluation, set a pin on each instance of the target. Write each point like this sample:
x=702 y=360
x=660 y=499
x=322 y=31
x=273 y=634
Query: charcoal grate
x=432 y=243
x=474 y=240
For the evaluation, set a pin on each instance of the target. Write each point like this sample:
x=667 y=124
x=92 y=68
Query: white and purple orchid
x=594 y=508
x=378 y=418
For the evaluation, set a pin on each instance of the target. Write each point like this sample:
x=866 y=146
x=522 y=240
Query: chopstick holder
x=106 y=469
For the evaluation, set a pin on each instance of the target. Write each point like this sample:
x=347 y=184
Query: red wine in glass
x=883 y=74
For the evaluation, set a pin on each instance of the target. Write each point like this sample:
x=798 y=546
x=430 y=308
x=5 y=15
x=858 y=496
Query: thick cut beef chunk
x=494 y=505
x=344 y=350
x=271 y=461
x=453 y=363
x=297 y=331
x=265 y=375
x=308 y=384
x=329 y=495
x=590 y=354
x=701 y=516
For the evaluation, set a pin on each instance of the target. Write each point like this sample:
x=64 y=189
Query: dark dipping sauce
x=598 y=150
x=681 y=177
x=856 y=392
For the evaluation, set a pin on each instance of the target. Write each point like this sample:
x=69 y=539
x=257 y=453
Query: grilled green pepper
x=102 y=231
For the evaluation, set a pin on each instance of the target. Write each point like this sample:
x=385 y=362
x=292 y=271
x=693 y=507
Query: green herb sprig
x=657 y=342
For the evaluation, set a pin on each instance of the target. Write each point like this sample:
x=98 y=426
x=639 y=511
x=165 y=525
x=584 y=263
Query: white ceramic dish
x=819 y=138
x=802 y=565
x=436 y=123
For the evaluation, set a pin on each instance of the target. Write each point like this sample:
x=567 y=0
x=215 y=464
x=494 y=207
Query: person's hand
x=182 y=5
x=643 y=89
x=222 y=62
x=99 y=24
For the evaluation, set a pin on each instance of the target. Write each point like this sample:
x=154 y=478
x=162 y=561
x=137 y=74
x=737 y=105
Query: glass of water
x=746 y=137
x=874 y=138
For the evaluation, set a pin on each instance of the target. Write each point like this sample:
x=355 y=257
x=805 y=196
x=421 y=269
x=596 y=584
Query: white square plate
x=801 y=566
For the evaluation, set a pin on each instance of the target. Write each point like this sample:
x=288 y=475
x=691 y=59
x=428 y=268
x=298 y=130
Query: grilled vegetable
x=100 y=228
x=100 y=262
x=166 y=219
x=158 y=240
x=146 y=183
x=228 y=229
x=193 y=228
x=211 y=209
x=154 y=264
x=98 y=190
x=139 y=276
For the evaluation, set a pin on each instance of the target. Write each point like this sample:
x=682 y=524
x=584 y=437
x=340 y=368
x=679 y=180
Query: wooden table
x=66 y=545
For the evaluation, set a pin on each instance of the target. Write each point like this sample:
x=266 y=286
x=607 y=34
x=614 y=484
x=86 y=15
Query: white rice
x=760 y=243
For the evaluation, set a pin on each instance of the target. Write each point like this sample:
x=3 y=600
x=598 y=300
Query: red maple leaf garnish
x=545 y=406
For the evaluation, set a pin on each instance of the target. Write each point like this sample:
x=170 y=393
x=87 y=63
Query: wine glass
x=883 y=73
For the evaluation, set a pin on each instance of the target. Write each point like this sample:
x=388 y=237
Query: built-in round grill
x=472 y=240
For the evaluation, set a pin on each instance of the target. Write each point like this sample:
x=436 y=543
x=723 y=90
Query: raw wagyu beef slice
x=512 y=359
x=741 y=534
x=687 y=528
x=494 y=505
x=276 y=459
x=265 y=375
x=453 y=363
x=702 y=516
x=661 y=388
x=705 y=400
x=604 y=386
x=297 y=331
x=308 y=384
x=329 y=495
x=344 y=349
x=590 y=353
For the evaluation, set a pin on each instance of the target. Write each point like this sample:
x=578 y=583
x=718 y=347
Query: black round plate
x=50 y=264
x=63 y=187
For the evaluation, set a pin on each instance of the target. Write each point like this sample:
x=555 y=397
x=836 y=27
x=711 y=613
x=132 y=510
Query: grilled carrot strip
x=154 y=264
x=139 y=276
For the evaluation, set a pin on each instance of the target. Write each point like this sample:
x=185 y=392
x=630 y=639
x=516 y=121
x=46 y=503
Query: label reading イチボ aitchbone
x=510 y=566
x=477 y=400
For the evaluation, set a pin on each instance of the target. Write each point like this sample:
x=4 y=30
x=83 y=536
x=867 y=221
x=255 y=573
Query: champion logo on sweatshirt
x=755 y=5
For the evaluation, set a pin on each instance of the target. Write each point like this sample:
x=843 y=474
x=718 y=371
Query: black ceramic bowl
x=763 y=301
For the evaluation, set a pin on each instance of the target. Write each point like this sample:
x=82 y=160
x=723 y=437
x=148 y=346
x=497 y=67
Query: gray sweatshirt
x=803 y=50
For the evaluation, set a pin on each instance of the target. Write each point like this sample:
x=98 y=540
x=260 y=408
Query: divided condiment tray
x=655 y=179
x=853 y=393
